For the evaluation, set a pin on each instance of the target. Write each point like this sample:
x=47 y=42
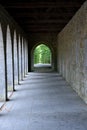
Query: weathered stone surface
x=2 y=68
x=72 y=52
x=19 y=54
x=15 y=60
x=22 y=59
x=9 y=61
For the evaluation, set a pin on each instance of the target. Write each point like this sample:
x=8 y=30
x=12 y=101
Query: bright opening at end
x=42 y=56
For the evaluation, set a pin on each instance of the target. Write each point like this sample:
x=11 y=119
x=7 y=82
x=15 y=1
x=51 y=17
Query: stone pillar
x=27 y=56
x=2 y=69
x=15 y=60
x=19 y=57
x=22 y=58
x=9 y=61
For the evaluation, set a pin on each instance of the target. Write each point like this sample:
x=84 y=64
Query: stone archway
x=52 y=56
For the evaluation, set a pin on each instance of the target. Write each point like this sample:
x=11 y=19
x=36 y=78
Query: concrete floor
x=44 y=101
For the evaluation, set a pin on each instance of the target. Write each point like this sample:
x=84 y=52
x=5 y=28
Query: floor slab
x=44 y=101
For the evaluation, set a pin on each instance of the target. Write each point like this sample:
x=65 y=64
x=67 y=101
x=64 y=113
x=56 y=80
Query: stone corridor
x=44 y=101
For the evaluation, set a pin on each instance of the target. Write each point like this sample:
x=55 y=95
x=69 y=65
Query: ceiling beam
x=27 y=5
x=44 y=25
x=43 y=30
x=45 y=22
x=42 y=19
x=57 y=14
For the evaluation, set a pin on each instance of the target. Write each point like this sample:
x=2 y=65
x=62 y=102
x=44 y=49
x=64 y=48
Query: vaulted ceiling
x=37 y=16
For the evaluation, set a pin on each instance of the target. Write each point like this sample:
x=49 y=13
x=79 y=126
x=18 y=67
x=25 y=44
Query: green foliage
x=42 y=54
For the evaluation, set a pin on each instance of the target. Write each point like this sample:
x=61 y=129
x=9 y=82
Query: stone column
x=22 y=58
x=15 y=60
x=2 y=69
x=27 y=56
x=19 y=57
x=9 y=61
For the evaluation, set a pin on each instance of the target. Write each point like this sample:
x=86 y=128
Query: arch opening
x=42 y=57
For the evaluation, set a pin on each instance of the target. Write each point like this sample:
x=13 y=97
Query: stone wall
x=72 y=52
